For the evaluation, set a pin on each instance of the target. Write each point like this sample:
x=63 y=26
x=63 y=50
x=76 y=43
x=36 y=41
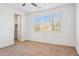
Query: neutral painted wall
x=7 y=25
x=77 y=28
x=67 y=34
x=65 y=37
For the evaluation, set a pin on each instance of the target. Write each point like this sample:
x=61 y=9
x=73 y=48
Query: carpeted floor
x=31 y=48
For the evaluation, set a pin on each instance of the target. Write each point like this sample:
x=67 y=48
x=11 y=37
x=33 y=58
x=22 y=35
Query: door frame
x=16 y=15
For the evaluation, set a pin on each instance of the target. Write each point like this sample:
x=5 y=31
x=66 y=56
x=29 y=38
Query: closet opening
x=17 y=27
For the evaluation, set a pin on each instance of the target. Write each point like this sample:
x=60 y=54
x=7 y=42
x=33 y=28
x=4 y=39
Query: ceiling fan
x=35 y=5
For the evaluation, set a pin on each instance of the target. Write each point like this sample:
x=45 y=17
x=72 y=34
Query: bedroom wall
x=77 y=27
x=67 y=34
x=65 y=37
x=7 y=25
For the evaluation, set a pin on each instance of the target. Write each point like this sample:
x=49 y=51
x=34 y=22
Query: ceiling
x=30 y=8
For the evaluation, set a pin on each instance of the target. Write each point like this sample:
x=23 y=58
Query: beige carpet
x=31 y=48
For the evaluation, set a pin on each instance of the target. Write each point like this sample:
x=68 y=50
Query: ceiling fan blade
x=34 y=4
x=23 y=4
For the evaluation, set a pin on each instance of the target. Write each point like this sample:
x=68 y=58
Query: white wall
x=65 y=37
x=7 y=25
x=67 y=34
x=77 y=28
x=24 y=33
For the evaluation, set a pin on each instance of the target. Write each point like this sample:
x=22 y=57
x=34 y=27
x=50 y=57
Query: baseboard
x=70 y=45
x=77 y=51
x=52 y=43
x=23 y=40
x=5 y=44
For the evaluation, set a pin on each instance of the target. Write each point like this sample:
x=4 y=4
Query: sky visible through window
x=45 y=19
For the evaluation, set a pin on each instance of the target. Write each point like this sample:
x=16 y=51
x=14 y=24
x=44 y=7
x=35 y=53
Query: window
x=47 y=23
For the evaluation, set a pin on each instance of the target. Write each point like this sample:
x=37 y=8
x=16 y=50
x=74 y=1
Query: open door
x=17 y=30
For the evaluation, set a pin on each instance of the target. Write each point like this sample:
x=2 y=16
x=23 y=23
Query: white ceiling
x=30 y=8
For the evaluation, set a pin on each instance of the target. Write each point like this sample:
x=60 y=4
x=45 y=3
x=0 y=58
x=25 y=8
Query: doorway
x=17 y=27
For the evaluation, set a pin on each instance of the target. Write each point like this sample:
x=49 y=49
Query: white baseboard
x=57 y=43
x=5 y=44
x=77 y=50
